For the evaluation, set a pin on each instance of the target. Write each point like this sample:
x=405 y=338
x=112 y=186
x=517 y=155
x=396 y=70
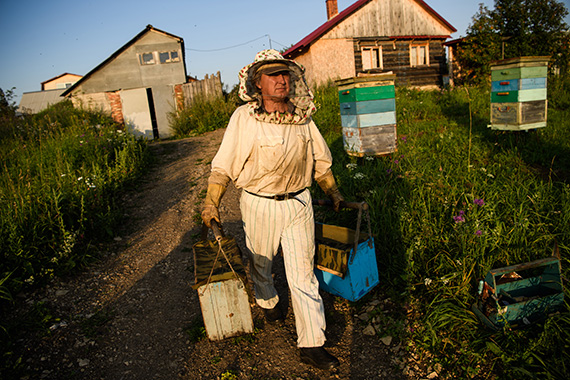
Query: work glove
x=328 y=184
x=212 y=203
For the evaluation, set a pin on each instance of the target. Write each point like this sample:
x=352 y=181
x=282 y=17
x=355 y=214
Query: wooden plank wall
x=209 y=87
x=389 y=18
x=398 y=61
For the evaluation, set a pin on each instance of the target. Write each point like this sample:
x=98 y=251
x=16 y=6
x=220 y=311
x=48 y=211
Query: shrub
x=204 y=115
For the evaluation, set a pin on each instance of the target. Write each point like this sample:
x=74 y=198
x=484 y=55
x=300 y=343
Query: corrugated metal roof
x=296 y=49
x=34 y=102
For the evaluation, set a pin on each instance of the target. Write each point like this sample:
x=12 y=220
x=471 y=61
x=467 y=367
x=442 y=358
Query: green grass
x=62 y=173
x=202 y=116
x=456 y=200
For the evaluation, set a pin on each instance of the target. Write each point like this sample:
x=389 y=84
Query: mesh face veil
x=300 y=95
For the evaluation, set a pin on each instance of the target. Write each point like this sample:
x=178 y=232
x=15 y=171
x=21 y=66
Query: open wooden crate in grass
x=521 y=294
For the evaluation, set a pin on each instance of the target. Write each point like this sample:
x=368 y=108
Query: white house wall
x=136 y=112
x=163 y=98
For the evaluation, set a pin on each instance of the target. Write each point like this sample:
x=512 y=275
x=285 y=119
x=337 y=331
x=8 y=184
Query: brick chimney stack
x=332 y=8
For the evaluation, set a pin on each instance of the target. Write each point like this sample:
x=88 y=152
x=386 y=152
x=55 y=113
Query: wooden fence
x=207 y=88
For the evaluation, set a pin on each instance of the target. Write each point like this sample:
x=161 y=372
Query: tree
x=7 y=105
x=481 y=46
x=515 y=28
x=8 y=109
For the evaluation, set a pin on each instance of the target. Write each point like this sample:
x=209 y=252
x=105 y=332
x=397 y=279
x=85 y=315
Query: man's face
x=275 y=85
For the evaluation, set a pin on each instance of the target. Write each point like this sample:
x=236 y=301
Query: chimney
x=332 y=8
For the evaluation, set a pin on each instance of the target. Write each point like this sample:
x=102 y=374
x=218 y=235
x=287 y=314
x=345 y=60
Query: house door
x=137 y=105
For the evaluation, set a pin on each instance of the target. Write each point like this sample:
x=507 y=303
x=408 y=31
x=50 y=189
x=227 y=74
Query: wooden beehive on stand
x=518 y=93
x=368 y=114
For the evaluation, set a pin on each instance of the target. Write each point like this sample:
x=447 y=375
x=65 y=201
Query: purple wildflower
x=479 y=202
x=404 y=138
x=396 y=162
x=388 y=170
x=459 y=219
x=478 y=232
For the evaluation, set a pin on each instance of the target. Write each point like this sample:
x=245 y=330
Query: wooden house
x=136 y=84
x=374 y=36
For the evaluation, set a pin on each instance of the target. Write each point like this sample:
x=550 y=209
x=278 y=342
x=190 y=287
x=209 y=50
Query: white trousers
x=268 y=223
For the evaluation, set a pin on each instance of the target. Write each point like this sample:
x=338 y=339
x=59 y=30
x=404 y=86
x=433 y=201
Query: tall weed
x=61 y=174
x=203 y=115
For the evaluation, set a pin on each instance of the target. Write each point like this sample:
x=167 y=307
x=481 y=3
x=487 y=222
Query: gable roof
x=334 y=21
x=121 y=50
x=57 y=77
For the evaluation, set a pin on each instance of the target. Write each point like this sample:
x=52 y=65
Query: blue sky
x=42 y=39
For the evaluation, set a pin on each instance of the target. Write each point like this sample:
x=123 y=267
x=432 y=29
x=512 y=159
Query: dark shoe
x=318 y=357
x=273 y=315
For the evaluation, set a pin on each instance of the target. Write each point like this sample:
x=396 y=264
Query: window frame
x=379 y=57
x=147 y=63
x=415 y=47
x=170 y=58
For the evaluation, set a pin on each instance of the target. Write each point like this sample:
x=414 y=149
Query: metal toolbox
x=220 y=280
x=345 y=262
x=520 y=294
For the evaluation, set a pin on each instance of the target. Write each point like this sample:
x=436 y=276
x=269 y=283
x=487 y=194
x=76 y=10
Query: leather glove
x=212 y=203
x=328 y=184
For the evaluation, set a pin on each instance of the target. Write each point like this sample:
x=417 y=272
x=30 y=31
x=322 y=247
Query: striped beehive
x=518 y=93
x=368 y=114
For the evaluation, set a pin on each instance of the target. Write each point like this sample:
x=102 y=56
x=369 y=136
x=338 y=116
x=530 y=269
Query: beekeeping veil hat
x=270 y=61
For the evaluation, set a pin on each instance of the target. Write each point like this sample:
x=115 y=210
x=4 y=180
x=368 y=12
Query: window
x=372 y=58
x=419 y=55
x=147 y=59
x=169 y=56
x=63 y=85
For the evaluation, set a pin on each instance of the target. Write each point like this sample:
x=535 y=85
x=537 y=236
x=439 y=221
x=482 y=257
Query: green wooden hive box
x=368 y=114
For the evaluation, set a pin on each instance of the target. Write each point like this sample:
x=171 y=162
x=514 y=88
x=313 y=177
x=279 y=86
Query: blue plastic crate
x=359 y=272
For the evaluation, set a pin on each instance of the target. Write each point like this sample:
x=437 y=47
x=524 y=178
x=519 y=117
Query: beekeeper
x=272 y=150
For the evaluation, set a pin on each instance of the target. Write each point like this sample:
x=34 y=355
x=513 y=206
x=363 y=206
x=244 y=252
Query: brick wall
x=116 y=106
x=179 y=96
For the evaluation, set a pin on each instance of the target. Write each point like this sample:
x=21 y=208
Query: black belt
x=278 y=197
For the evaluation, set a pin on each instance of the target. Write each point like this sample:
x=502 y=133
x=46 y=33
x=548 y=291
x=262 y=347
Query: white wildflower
x=351 y=166
x=369 y=158
x=427 y=281
x=80 y=178
x=359 y=176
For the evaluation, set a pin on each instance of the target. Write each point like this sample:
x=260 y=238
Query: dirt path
x=132 y=315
